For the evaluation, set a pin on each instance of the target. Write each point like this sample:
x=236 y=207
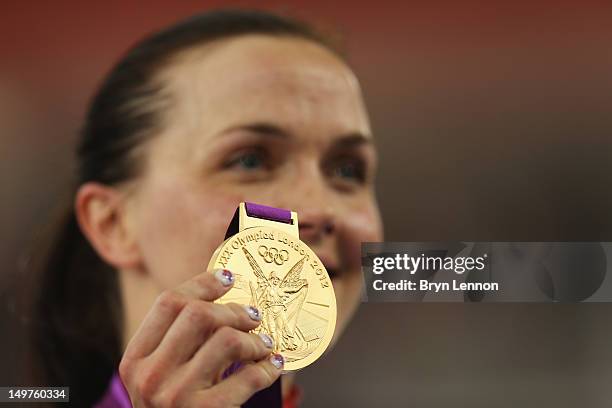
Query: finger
x=168 y=305
x=238 y=388
x=209 y=285
x=225 y=346
x=197 y=322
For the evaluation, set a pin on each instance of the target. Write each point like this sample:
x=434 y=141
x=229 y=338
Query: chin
x=347 y=300
x=341 y=323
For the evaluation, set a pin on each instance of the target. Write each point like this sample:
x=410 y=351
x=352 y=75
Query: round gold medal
x=283 y=278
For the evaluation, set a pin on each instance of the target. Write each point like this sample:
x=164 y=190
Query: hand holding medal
x=194 y=346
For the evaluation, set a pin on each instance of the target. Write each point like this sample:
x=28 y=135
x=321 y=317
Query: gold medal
x=283 y=278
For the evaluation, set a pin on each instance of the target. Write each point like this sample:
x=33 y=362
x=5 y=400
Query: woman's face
x=275 y=121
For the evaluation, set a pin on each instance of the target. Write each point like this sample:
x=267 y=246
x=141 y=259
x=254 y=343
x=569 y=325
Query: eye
x=248 y=160
x=349 y=169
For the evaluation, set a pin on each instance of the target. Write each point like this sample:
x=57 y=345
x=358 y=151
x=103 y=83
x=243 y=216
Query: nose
x=316 y=223
x=315 y=207
x=314 y=200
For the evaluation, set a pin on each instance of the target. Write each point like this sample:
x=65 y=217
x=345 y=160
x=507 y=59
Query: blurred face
x=276 y=121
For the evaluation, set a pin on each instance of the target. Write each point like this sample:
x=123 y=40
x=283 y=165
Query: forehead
x=288 y=81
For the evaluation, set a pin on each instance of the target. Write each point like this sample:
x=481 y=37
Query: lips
x=333 y=273
x=332 y=267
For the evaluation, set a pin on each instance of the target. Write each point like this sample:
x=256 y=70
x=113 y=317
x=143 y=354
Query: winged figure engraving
x=280 y=301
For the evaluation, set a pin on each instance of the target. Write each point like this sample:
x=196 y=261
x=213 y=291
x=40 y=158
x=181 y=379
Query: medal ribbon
x=271 y=396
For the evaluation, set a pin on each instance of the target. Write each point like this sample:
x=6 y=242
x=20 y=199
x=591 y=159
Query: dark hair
x=75 y=311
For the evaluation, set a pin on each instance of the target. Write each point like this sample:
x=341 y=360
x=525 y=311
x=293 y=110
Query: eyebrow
x=352 y=139
x=260 y=128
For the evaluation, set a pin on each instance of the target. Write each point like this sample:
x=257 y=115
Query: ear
x=102 y=214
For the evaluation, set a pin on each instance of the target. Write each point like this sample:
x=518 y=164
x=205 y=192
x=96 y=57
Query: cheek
x=362 y=224
x=357 y=225
x=179 y=229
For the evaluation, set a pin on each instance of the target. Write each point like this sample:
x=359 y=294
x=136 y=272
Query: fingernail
x=267 y=340
x=277 y=360
x=224 y=276
x=253 y=313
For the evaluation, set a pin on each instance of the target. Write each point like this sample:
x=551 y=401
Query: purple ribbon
x=116 y=395
x=268 y=213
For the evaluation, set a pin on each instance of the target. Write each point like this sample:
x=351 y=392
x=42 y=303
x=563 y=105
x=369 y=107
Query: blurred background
x=494 y=123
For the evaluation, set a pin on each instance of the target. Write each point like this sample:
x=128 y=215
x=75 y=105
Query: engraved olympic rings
x=272 y=254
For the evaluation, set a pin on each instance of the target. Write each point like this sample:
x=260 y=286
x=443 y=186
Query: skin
x=276 y=121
